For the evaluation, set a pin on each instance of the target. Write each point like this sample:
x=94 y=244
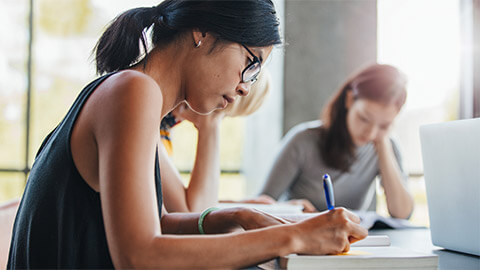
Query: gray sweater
x=299 y=167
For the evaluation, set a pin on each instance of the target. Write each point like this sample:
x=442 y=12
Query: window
x=184 y=139
x=424 y=42
x=50 y=75
x=14 y=45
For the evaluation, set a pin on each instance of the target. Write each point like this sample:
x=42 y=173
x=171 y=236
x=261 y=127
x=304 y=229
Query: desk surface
x=420 y=240
x=417 y=240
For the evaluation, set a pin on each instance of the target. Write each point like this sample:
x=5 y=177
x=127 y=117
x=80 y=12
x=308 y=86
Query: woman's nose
x=243 y=89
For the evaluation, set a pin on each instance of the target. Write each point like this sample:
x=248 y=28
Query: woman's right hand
x=330 y=232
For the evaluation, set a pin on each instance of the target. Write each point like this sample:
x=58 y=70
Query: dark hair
x=379 y=83
x=249 y=22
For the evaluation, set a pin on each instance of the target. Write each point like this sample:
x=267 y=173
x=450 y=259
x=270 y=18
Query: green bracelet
x=202 y=217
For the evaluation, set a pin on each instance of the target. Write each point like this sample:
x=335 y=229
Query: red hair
x=380 y=83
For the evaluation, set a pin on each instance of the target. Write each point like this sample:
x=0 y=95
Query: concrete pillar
x=470 y=59
x=476 y=57
x=326 y=41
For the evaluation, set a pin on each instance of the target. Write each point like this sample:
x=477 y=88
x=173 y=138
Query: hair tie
x=157 y=14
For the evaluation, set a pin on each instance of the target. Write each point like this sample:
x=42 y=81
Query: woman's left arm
x=202 y=190
x=399 y=200
x=220 y=221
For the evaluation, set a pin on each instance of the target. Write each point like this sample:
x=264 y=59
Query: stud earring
x=198 y=44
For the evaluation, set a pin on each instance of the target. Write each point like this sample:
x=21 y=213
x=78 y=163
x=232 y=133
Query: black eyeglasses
x=250 y=73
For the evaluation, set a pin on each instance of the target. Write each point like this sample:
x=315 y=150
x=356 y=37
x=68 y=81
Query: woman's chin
x=204 y=110
x=360 y=143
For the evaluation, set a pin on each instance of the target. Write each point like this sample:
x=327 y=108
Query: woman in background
x=351 y=144
x=93 y=198
x=202 y=189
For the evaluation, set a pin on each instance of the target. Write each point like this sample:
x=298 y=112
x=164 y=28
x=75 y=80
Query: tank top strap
x=158 y=183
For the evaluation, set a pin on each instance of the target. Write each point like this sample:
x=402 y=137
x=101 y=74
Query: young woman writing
x=93 y=198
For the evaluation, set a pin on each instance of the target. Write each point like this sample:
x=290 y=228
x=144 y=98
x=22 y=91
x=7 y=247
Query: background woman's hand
x=382 y=140
x=331 y=232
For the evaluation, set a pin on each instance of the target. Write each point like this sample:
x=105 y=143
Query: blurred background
x=45 y=60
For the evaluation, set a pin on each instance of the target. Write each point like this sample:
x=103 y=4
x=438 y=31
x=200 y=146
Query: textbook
x=373 y=252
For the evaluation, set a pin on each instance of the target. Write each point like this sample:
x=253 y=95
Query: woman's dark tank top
x=59 y=223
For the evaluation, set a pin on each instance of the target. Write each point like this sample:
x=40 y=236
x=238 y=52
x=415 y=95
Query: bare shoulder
x=130 y=88
x=131 y=81
x=129 y=77
x=127 y=95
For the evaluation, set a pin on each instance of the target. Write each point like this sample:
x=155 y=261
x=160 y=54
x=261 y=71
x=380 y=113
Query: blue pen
x=327 y=186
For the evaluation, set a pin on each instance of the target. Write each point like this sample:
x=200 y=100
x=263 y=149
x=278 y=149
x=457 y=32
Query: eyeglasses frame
x=255 y=60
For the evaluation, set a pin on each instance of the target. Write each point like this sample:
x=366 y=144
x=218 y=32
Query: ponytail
x=249 y=22
x=119 y=46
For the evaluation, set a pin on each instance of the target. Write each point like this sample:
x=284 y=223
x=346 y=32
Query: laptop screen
x=451 y=159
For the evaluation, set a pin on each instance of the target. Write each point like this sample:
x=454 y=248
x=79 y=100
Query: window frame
x=27 y=124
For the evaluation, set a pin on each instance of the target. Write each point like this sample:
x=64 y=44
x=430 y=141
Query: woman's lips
x=228 y=99
x=225 y=103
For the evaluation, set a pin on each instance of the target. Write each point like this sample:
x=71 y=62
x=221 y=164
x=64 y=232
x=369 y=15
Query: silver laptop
x=451 y=159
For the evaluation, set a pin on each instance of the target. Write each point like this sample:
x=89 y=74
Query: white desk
x=420 y=240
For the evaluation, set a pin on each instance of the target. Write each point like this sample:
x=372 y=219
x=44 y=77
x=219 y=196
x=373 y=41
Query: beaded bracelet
x=202 y=217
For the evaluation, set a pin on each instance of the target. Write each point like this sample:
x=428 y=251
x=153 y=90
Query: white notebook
x=373 y=241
